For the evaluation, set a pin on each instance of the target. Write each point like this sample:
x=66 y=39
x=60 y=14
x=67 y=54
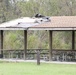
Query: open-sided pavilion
x=57 y=23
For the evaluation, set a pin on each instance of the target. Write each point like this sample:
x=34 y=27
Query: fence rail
x=57 y=55
x=64 y=55
x=31 y=54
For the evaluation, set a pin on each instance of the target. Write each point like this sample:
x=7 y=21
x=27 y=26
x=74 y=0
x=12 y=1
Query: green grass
x=33 y=69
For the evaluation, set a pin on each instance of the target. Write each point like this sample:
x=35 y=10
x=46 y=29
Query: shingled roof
x=56 y=23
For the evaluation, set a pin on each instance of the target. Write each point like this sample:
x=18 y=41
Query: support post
x=73 y=40
x=50 y=45
x=38 y=57
x=1 y=43
x=25 y=43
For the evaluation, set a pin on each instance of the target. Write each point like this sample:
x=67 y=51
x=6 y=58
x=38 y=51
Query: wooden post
x=25 y=43
x=1 y=43
x=38 y=57
x=73 y=40
x=50 y=45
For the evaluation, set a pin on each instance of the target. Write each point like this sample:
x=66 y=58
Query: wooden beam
x=1 y=43
x=25 y=43
x=73 y=40
x=52 y=28
x=50 y=45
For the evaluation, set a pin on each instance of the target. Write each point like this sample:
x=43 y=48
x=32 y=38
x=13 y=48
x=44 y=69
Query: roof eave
x=13 y=28
x=42 y=28
x=53 y=28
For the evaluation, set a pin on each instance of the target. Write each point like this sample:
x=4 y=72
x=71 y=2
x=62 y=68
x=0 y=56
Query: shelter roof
x=26 y=23
x=58 y=23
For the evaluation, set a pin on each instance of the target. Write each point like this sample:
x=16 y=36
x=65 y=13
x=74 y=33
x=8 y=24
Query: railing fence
x=57 y=55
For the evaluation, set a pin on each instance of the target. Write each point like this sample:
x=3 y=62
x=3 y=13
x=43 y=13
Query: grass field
x=33 y=69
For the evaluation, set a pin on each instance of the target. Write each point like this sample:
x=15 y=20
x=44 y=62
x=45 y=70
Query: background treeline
x=12 y=9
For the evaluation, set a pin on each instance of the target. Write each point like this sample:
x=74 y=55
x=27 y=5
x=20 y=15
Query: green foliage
x=32 y=42
x=11 y=9
x=62 y=40
x=38 y=40
x=14 y=40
